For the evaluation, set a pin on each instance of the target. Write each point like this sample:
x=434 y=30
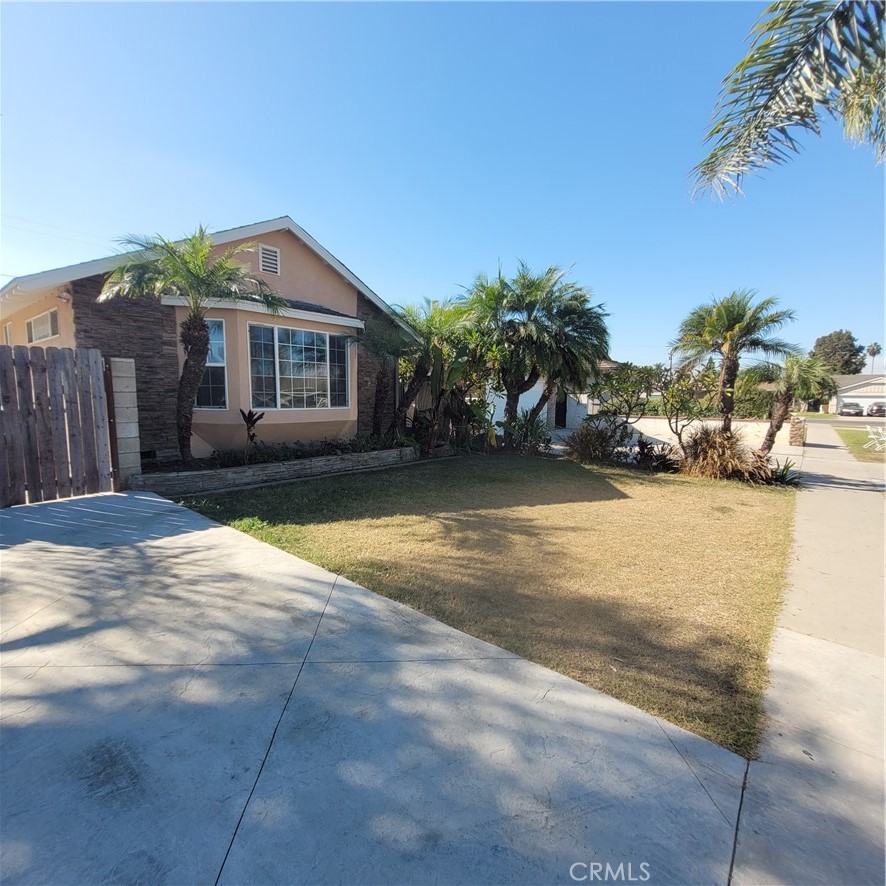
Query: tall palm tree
x=803 y=377
x=440 y=328
x=537 y=326
x=806 y=58
x=873 y=350
x=728 y=329
x=192 y=270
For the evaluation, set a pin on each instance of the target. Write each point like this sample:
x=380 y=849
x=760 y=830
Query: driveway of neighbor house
x=184 y=704
x=813 y=807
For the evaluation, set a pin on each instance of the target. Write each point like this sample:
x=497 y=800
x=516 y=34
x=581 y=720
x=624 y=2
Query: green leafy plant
x=599 y=439
x=250 y=419
x=658 y=458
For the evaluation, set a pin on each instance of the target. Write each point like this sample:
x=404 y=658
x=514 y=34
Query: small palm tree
x=806 y=378
x=728 y=329
x=537 y=326
x=873 y=350
x=806 y=58
x=189 y=269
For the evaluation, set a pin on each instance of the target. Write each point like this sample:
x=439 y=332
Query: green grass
x=855 y=441
x=659 y=590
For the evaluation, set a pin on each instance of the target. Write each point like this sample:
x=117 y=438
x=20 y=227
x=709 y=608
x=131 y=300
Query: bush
x=715 y=454
x=599 y=439
x=658 y=458
x=720 y=455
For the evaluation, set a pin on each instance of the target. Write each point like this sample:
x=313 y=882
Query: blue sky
x=424 y=143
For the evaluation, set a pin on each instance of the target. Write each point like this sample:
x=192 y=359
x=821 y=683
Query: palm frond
x=805 y=58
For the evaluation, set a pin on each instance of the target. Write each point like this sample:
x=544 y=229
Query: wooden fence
x=57 y=436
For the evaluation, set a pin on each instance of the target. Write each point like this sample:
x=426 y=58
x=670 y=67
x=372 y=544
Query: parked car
x=851 y=409
x=878 y=408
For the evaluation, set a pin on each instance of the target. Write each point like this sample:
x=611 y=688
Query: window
x=268 y=260
x=297 y=368
x=43 y=326
x=212 y=393
x=7 y=333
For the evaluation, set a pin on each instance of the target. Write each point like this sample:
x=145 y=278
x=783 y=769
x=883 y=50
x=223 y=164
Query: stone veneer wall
x=180 y=483
x=367 y=370
x=144 y=330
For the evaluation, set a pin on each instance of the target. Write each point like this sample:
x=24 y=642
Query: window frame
x=298 y=409
x=29 y=326
x=7 y=333
x=264 y=247
x=225 y=365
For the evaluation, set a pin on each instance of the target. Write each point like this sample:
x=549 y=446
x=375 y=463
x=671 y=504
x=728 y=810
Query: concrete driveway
x=184 y=704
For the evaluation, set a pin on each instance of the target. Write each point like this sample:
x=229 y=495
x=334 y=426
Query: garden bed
x=178 y=483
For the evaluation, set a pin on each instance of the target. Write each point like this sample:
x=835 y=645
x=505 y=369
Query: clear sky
x=423 y=143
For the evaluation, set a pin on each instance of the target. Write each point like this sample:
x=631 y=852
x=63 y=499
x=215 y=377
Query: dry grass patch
x=659 y=590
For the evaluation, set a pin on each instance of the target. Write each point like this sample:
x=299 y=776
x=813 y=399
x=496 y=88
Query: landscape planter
x=180 y=483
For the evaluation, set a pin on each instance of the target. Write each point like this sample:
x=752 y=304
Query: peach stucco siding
x=19 y=319
x=224 y=428
x=303 y=275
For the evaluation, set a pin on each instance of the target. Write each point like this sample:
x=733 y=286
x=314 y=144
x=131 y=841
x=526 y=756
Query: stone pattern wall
x=367 y=370
x=798 y=431
x=144 y=330
x=125 y=407
x=196 y=482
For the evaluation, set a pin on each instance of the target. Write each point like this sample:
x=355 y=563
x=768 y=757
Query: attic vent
x=268 y=259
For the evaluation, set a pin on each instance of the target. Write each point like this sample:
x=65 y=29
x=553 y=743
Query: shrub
x=658 y=458
x=599 y=439
x=715 y=454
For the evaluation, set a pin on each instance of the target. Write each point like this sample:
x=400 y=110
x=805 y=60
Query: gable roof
x=845 y=382
x=58 y=276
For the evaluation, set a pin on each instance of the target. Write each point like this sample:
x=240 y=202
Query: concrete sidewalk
x=813 y=807
x=184 y=704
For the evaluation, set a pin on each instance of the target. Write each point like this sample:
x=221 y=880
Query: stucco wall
x=50 y=301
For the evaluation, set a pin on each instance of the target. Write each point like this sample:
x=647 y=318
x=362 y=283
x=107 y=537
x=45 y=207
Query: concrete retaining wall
x=195 y=482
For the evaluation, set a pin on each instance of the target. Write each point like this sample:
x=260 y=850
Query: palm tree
x=728 y=329
x=189 y=269
x=806 y=58
x=440 y=328
x=537 y=326
x=388 y=344
x=873 y=350
x=806 y=378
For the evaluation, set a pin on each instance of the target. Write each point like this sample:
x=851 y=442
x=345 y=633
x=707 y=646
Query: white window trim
x=7 y=333
x=297 y=409
x=227 y=405
x=256 y=308
x=30 y=322
x=264 y=247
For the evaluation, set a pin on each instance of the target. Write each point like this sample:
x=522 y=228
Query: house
x=566 y=411
x=301 y=367
x=861 y=389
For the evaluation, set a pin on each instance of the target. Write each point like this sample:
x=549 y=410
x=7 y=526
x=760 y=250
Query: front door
x=560 y=412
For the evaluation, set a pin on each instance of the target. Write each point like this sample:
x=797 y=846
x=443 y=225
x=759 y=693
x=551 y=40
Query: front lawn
x=659 y=590
x=855 y=441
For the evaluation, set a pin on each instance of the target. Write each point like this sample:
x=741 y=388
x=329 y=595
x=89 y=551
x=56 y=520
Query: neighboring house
x=566 y=411
x=301 y=367
x=861 y=389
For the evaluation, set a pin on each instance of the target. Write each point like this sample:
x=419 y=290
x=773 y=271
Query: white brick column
x=126 y=419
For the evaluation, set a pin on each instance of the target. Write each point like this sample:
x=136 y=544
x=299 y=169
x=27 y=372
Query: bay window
x=297 y=368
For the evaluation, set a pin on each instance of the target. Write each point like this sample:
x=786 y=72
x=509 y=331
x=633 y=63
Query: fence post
x=125 y=412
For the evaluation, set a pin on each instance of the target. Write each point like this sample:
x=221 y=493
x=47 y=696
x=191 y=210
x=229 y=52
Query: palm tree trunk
x=382 y=390
x=546 y=395
x=195 y=340
x=781 y=407
x=728 y=375
x=514 y=387
x=419 y=377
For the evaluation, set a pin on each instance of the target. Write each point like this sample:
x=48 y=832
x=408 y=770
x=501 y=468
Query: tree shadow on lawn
x=447 y=486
